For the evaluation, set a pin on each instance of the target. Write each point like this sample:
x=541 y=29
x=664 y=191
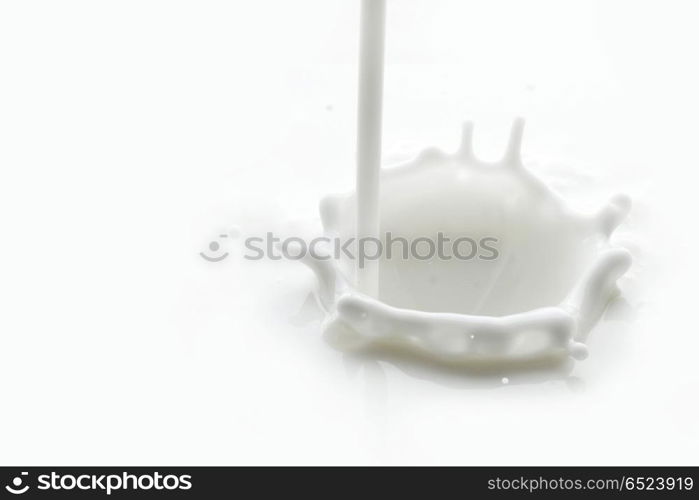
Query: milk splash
x=556 y=271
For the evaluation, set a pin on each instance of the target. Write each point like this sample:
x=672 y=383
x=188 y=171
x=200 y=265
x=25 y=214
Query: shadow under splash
x=468 y=376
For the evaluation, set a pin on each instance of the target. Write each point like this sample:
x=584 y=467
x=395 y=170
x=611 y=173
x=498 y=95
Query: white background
x=133 y=133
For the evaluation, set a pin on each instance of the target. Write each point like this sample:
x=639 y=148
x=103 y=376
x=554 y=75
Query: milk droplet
x=505 y=380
